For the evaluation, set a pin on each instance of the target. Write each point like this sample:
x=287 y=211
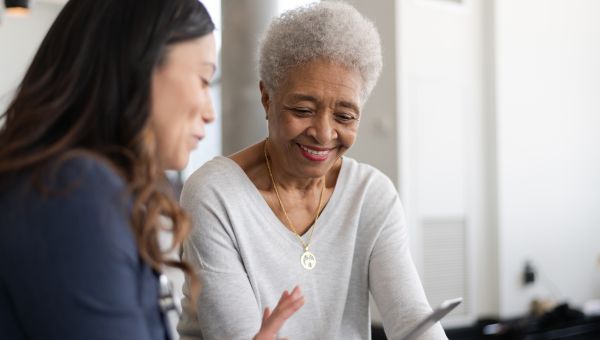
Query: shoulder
x=375 y=198
x=80 y=203
x=80 y=173
x=368 y=179
x=86 y=185
x=66 y=180
x=86 y=188
x=216 y=178
x=213 y=174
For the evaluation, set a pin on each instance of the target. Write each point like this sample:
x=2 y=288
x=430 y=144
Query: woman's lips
x=195 y=140
x=314 y=153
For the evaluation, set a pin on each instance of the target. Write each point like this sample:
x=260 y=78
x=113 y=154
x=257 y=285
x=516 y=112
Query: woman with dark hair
x=117 y=93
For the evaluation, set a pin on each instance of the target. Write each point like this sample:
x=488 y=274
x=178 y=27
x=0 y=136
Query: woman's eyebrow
x=348 y=104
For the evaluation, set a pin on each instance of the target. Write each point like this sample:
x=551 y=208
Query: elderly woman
x=292 y=210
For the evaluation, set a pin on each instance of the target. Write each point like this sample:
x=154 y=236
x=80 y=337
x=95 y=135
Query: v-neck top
x=274 y=222
x=246 y=257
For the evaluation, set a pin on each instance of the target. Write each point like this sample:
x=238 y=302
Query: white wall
x=444 y=99
x=377 y=142
x=548 y=96
x=498 y=125
x=19 y=40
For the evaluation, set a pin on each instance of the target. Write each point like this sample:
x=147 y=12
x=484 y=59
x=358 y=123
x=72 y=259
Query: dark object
x=560 y=316
x=377 y=333
x=562 y=322
x=528 y=274
x=16 y=3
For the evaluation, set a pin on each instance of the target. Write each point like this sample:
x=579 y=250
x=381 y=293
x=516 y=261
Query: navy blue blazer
x=69 y=265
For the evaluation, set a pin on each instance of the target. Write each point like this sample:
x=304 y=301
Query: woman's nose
x=208 y=113
x=323 y=129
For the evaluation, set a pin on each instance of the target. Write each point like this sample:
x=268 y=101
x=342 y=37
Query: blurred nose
x=208 y=112
x=322 y=129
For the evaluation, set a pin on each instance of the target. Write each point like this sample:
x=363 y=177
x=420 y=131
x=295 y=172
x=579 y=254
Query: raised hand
x=272 y=322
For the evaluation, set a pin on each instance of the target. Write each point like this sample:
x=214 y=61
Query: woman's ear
x=264 y=98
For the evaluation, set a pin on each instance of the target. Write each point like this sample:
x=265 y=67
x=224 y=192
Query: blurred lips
x=314 y=153
x=195 y=140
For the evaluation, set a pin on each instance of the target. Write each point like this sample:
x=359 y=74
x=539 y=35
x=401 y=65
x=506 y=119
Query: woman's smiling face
x=313 y=117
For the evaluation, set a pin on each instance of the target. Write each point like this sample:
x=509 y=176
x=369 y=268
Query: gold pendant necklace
x=308 y=259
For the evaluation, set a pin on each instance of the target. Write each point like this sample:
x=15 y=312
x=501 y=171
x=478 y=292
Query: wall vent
x=445 y=273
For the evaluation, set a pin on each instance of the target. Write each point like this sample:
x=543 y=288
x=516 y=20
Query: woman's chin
x=177 y=164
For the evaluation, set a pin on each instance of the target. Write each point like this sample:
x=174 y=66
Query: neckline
x=276 y=224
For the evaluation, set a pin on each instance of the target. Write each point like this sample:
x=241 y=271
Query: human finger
x=287 y=306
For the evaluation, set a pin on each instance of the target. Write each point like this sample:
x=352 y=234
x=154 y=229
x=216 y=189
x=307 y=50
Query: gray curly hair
x=332 y=30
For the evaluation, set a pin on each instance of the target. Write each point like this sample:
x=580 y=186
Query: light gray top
x=246 y=258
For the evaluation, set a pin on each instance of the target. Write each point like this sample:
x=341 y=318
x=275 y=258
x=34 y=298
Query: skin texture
x=181 y=102
x=317 y=106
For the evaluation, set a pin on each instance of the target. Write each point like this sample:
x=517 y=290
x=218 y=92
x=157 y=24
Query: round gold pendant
x=308 y=260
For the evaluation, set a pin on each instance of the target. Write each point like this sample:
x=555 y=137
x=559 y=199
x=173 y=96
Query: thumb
x=266 y=314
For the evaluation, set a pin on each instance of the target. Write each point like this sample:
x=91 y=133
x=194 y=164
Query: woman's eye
x=344 y=117
x=302 y=111
x=205 y=82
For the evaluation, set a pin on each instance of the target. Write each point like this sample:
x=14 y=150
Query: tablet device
x=435 y=316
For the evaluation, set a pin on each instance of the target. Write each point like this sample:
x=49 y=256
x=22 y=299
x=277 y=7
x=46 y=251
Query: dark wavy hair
x=88 y=89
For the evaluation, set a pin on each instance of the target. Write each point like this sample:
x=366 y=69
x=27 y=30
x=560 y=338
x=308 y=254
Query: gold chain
x=304 y=245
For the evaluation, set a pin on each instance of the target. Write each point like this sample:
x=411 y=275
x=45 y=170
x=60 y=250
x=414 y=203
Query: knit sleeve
x=393 y=279
x=227 y=307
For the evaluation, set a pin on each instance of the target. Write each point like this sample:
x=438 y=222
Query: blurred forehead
x=199 y=52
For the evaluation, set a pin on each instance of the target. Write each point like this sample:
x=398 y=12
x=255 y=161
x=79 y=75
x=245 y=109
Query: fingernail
x=296 y=292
